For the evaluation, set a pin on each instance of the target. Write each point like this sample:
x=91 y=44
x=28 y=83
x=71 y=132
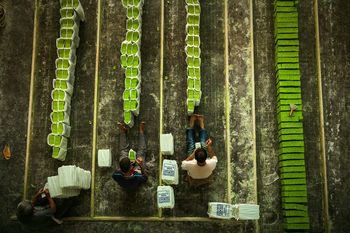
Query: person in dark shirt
x=131 y=174
x=39 y=212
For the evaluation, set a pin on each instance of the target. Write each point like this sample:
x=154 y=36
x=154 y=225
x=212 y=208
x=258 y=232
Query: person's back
x=199 y=172
x=130 y=182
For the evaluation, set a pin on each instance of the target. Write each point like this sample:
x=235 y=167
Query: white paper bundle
x=246 y=211
x=68 y=177
x=220 y=210
x=56 y=191
x=165 y=197
x=84 y=178
x=104 y=158
x=170 y=172
x=54 y=187
x=167 y=144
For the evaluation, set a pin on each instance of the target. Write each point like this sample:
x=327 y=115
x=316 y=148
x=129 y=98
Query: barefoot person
x=200 y=162
x=131 y=174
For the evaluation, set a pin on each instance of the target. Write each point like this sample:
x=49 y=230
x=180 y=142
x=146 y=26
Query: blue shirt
x=129 y=182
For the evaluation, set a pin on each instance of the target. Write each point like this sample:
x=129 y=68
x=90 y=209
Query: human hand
x=139 y=161
x=209 y=142
x=41 y=191
x=46 y=191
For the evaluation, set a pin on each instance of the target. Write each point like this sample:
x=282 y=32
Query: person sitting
x=39 y=212
x=131 y=173
x=198 y=166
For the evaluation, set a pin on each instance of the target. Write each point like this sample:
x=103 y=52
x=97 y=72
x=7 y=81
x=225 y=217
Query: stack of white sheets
x=69 y=181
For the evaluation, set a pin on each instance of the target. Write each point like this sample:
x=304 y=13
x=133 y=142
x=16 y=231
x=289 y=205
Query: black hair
x=200 y=155
x=124 y=164
x=24 y=211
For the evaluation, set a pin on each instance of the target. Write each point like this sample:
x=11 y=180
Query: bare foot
x=142 y=126
x=122 y=127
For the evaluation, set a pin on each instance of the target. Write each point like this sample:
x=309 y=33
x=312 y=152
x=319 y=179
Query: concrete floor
x=238 y=101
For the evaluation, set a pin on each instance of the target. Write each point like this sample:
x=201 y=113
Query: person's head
x=200 y=155
x=24 y=211
x=125 y=164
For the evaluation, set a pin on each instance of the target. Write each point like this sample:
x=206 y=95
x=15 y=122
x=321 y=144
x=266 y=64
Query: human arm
x=140 y=162
x=36 y=196
x=211 y=152
x=191 y=156
x=52 y=203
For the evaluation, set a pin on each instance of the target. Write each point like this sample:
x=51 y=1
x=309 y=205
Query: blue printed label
x=169 y=170
x=223 y=210
x=163 y=197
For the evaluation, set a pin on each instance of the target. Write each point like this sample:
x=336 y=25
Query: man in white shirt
x=200 y=162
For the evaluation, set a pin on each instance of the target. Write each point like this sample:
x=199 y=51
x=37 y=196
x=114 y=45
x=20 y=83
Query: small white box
x=167 y=144
x=165 y=197
x=170 y=172
x=104 y=158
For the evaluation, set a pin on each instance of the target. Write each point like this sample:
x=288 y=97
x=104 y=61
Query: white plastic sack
x=246 y=211
x=167 y=144
x=220 y=210
x=170 y=172
x=104 y=158
x=165 y=197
